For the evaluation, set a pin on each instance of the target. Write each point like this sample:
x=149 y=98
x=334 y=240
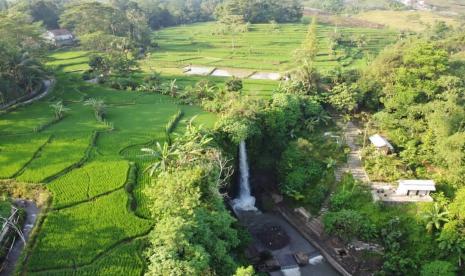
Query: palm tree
x=164 y=155
x=435 y=218
x=26 y=71
x=59 y=109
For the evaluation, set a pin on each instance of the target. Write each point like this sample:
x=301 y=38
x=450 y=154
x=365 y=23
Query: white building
x=60 y=37
x=381 y=143
x=415 y=187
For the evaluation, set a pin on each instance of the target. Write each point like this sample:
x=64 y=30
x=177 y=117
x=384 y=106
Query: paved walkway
x=354 y=161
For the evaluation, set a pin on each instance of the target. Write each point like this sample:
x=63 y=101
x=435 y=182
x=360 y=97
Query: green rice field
x=261 y=48
x=96 y=224
x=95 y=171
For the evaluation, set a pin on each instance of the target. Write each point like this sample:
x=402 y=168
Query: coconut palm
x=26 y=71
x=435 y=218
x=164 y=155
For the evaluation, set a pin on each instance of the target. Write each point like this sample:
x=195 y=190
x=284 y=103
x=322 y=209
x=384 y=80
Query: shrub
x=434 y=268
x=123 y=83
x=234 y=85
x=349 y=224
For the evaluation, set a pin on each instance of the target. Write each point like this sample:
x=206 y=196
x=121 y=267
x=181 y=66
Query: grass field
x=91 y=228
x=406 y=20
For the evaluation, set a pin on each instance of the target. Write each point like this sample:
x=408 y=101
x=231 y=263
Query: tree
x=335 y=6
x=256 y=11
x=344 y=97
x=435 y=268
x=91 y=17
x=19 y=32
x=25 y=71
x=245 y=271
x=298 y=169
x=164 y=156
x=435 y=218
x=44 y=11
x=307 y=52
x=452 y=240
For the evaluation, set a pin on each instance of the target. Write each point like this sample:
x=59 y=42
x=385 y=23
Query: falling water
x=245 y=201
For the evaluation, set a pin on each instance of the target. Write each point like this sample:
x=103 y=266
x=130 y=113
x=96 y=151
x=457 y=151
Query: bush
x=349 y=224
x=349 y=195
x=122 y=83
x=234 y=85
x=298 y=169
x=151 y=83
x=435 y=268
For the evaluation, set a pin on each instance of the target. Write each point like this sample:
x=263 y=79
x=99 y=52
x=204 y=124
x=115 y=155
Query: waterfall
x=245 y=201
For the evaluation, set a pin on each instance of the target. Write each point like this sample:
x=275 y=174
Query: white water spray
x=291 y=271
x=316 y=260
x=245 y=201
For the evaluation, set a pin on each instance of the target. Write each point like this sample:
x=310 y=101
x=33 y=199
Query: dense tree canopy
x=261 y=11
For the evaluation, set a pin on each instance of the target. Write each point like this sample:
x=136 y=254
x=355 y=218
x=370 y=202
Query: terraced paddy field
x=407 y=20
x=262 y=48
x=98 y=216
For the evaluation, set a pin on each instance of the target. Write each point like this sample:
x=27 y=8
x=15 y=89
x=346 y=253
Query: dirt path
x=31 y=216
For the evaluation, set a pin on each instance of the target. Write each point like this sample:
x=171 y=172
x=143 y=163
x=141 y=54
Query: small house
x=415 y=187
x=381 y=143
x=60 y=37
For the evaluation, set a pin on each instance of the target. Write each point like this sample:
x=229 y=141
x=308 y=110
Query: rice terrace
x=155 y=137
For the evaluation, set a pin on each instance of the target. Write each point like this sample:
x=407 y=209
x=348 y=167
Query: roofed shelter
x=381 y=143
x=415 y=187
x=60 y=37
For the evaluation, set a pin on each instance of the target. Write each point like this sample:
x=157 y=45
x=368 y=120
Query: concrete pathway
x=354 y=161
x=48 y=84
x=13 y=256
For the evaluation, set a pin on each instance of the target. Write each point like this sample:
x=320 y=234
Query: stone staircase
x=354 y=161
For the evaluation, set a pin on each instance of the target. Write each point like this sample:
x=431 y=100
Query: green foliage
x=349 y=195
x=396 y=260
x=348 y=224
x=298 y=169
x=194 y=233
x=261 y=11
x=435 y=218
x=44 y=11
x=344 y=98
x=234 y=85
x=382 y=167
x=103 y=24
x=245 y=271
x=438 y=268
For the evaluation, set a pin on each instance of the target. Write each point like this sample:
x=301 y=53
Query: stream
x=272 y=233
x=31 y=216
